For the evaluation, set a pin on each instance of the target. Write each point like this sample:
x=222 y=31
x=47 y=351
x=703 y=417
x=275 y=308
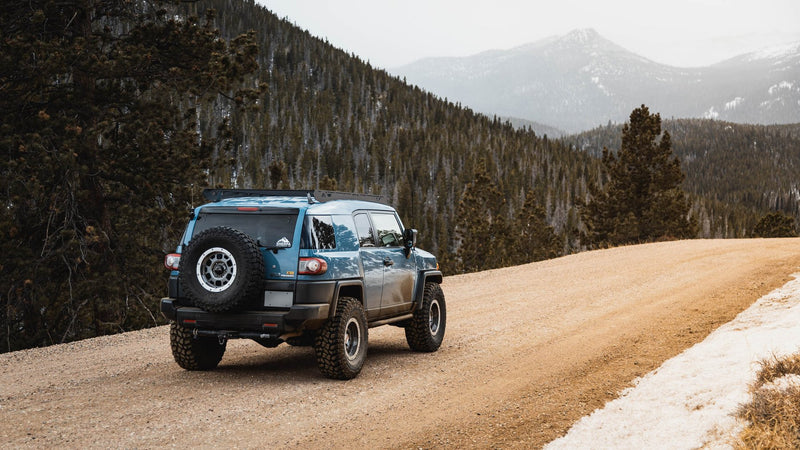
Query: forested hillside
x=328 y=117
x=736 y=172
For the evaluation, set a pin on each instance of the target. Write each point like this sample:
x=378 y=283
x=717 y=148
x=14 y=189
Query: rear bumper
x=274 y=323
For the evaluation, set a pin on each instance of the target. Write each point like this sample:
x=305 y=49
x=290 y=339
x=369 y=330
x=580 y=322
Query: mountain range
x=581 y=80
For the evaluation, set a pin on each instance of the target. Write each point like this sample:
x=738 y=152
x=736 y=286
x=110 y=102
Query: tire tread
x=193 y=353
x=418 y=334
x=328 y=346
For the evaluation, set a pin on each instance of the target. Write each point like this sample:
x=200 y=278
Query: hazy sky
x=682 y=33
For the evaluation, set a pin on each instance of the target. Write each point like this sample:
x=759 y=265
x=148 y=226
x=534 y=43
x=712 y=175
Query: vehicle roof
x=301 y=203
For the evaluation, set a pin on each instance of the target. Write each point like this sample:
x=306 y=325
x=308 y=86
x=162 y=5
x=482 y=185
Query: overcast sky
x=683 y=33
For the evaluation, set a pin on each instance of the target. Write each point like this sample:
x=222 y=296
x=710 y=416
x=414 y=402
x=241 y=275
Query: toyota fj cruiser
x=303 y=267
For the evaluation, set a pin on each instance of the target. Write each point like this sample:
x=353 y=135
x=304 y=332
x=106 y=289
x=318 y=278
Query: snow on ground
x=690 y=401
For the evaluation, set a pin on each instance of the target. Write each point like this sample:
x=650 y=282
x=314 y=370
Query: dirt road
x=528 y=351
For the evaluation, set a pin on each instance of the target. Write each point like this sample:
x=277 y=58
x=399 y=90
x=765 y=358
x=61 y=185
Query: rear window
x=266 y=228
x=318 y=233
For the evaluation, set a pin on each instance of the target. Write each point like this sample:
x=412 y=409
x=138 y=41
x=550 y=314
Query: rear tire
x=341 y=345
x=425 y=331
x=194 y=353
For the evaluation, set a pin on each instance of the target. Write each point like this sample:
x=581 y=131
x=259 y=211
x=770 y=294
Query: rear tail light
x=172 y=261
x=312 y=266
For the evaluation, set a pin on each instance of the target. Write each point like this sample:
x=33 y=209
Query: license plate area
x=278 y=299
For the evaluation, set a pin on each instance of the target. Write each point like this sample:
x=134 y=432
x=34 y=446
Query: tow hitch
x=224 y=335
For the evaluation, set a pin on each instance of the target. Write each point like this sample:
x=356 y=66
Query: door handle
x=388 y=262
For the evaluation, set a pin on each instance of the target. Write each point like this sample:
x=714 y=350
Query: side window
x=364 y=229
x=318 y=233
x=389 y=233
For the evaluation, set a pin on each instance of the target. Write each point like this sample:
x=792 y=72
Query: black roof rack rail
x=324 y=196
x=215 y=195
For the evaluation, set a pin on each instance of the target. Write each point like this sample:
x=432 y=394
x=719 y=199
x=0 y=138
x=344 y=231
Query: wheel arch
x=425 y=276
x=350 y=288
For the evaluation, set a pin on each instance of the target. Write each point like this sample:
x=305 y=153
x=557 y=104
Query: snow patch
x=698 y=391
x=782 y=85
x=581 y=36
x=711 y=113
x=733 y=103
x=767 y=104
x=596 y=81
x=776 y=52
x=784 y=383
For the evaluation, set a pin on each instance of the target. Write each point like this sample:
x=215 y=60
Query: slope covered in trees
x=117 y=113
x=736 y=173
x=330 y=119
x=96 y=165
x=329 y=116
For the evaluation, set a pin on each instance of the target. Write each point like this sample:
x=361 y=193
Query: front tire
x=194 y=353
x=425 y=332
x=341 y=345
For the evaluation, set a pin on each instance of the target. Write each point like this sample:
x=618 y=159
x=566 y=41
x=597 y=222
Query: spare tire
x=221 y=269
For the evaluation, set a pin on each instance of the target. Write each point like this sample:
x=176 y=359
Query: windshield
x=267 y=229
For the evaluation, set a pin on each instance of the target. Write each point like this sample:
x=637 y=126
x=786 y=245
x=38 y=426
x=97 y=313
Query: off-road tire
x=341 y=344
x=222 y=269
x=194 y=353
x=425 y=331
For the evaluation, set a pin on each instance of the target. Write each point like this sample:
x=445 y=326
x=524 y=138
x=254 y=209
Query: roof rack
x=215 y=195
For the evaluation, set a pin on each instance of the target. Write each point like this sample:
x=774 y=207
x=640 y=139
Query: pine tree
x=481 y=228
x=775 y=224
x=278 y=175
x=532 y=239
x=642 y=199
x=100 y=154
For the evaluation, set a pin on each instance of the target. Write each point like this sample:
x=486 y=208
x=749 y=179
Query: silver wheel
x=216 y=269
x=352 y=339
x=434 y=317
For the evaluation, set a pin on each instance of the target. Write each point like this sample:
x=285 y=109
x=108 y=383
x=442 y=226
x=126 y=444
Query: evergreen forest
x=736 y=173
x=133 y=113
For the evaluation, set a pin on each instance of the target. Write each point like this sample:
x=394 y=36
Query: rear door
x=273 y=230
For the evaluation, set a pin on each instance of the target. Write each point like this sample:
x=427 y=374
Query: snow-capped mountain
x=581 y=80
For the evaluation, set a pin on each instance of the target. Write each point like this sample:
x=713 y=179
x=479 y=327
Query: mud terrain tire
x=341 y=345
x=222 y=269
x=425 y=332
x=194 y=353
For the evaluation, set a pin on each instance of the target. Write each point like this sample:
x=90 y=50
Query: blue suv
x=312 y=268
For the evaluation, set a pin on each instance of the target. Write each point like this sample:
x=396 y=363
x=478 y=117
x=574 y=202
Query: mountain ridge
x=580 y=80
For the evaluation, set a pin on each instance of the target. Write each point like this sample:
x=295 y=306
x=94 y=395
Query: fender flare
x=425 y=276
x=350 y=286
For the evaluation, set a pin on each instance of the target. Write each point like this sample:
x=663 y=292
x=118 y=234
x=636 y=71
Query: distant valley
x=581 y=80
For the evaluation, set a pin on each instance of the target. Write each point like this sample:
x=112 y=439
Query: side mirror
x=409 y=240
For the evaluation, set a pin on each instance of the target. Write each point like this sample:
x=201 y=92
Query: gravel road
x=528 y=351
